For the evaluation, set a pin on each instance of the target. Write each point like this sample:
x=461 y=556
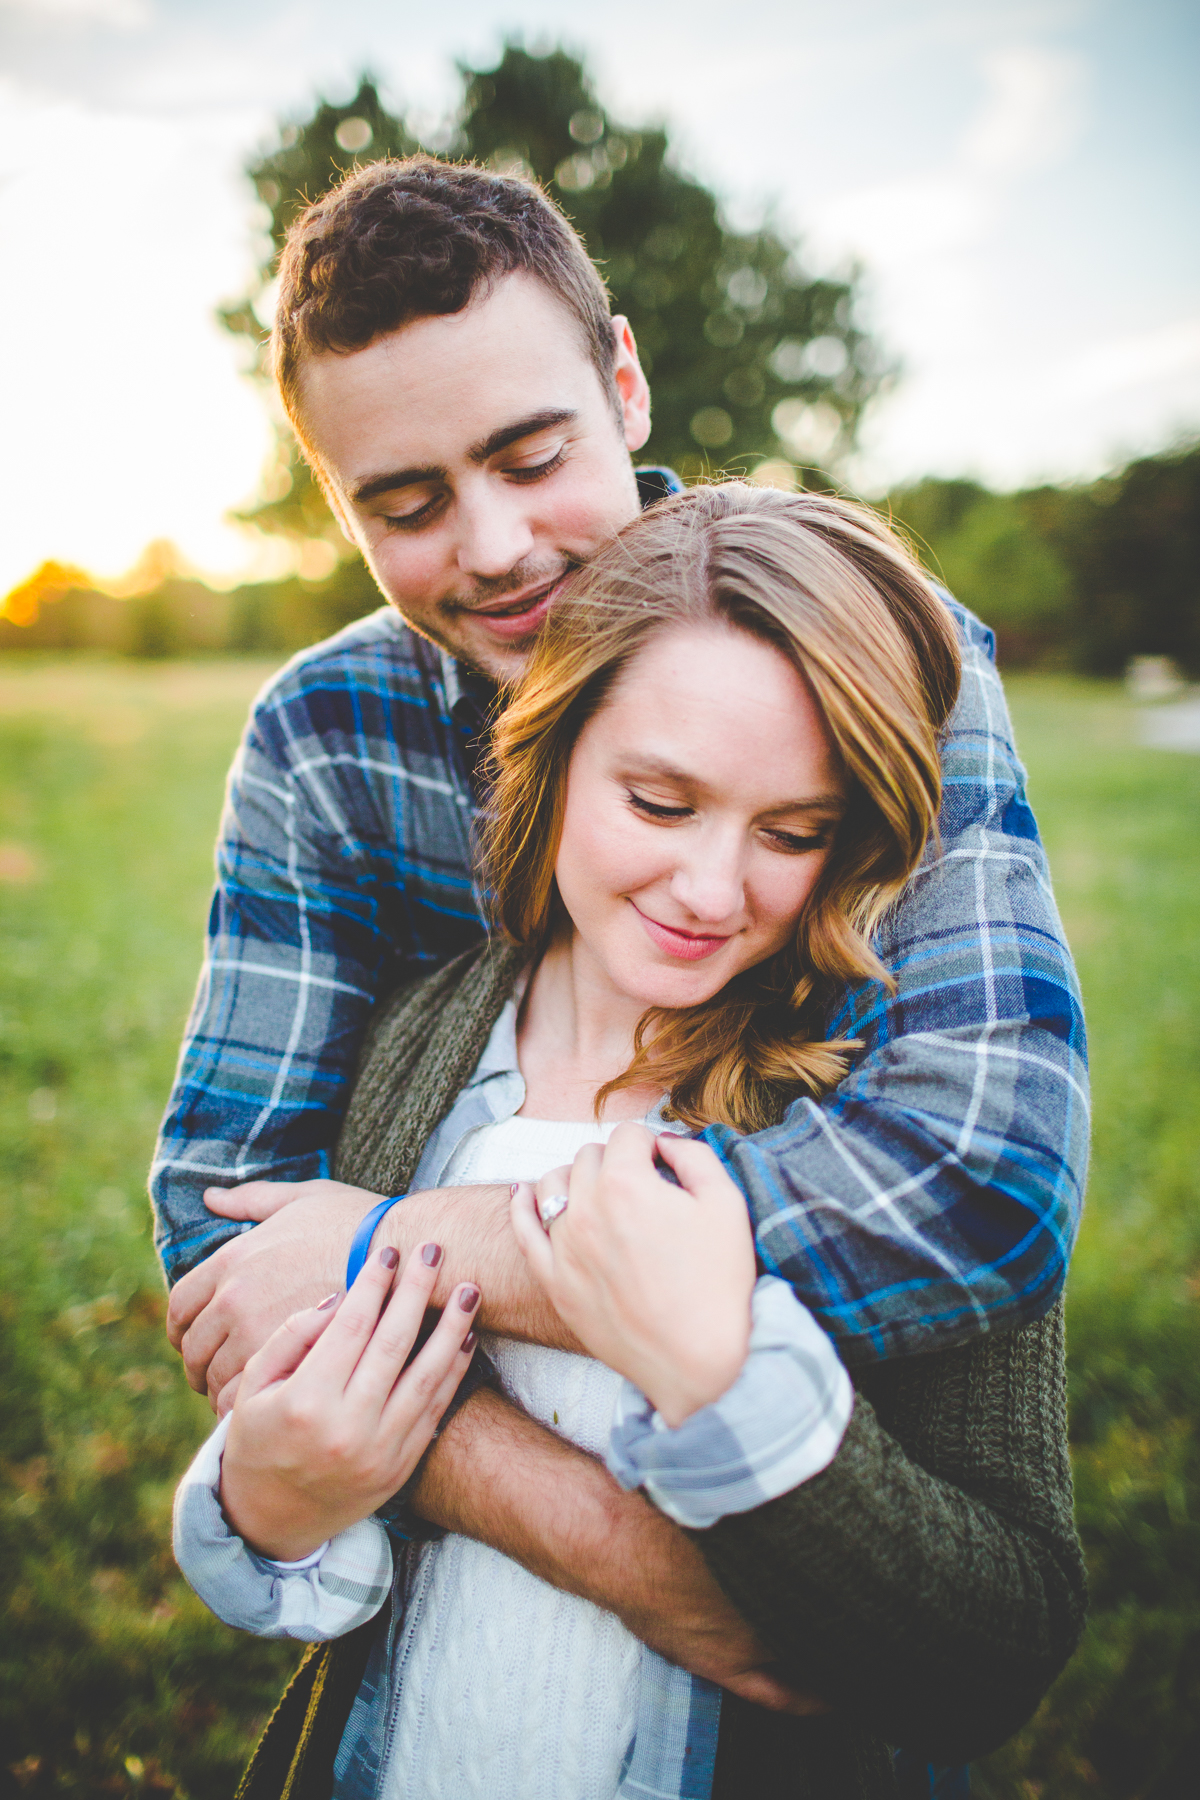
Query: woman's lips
x=683 y=944
x=509 y=624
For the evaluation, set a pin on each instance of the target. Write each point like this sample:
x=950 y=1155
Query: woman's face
x=701 y=805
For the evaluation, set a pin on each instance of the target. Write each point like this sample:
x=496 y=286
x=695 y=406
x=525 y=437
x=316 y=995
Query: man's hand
x=223 y=1311
x=498 y=1476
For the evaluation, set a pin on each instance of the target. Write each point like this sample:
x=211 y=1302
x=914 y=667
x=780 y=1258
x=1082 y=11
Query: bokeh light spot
x=353 y=135
x=712 y=426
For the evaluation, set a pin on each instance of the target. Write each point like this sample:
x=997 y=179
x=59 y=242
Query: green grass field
x=115 y=1679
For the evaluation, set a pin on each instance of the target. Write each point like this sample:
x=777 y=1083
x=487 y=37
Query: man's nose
x=494 y=534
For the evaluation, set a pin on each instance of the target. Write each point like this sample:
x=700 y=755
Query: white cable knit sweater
x=510 y=1689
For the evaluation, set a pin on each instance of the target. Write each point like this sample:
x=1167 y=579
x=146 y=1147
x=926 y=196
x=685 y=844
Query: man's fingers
x=256 y=1200
x=227 y=1396
x=198 y=1346
x=761 y=1688
x=190 y=1295
x=532 y=1238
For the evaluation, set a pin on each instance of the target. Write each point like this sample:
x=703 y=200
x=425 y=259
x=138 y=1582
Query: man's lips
x=516 y=616
x=686 y=945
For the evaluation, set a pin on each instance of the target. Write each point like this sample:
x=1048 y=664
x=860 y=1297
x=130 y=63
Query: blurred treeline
x=758 y=366
x=1076 y=578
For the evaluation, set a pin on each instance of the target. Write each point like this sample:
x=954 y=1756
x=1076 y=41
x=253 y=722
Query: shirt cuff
x=303 y=1562
x=780 y=1423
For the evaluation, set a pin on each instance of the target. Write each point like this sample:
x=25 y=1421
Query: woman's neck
x=574 y=1033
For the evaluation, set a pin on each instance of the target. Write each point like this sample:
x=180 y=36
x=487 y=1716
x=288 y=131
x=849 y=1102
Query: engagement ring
x=550 y=1208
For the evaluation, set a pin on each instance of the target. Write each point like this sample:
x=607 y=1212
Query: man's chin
x=501 y=662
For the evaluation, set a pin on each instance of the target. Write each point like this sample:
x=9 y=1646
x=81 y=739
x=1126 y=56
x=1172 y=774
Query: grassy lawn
x=114 y=1678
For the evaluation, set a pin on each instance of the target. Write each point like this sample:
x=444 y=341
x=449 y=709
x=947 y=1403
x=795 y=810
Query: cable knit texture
x=929 y=1582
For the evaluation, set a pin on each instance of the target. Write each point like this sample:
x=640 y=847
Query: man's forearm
x=500 y=1477
x=472 y=1226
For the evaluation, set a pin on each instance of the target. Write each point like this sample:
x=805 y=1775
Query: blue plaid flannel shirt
x=935 y=1193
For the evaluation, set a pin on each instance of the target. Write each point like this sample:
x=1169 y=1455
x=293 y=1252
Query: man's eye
x=412 y=521
x=652 y=810
x=537 y=471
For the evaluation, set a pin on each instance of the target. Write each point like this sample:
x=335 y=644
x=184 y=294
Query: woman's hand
x=328 y=1423
x=654 y=1279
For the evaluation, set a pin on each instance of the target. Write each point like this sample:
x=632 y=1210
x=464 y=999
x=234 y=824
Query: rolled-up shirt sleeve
x=779 y=1424
x=320 y=1597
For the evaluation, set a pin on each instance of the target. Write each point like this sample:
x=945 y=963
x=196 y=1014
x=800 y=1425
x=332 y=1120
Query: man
x=445 y=351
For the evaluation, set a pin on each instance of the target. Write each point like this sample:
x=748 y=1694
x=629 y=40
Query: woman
x=720 y=770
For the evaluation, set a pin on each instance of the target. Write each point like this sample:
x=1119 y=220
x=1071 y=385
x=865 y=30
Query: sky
x=1017 y=181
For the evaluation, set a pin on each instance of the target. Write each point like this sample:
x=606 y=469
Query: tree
x=752 y=358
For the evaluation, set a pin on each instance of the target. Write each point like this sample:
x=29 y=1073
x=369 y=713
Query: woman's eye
x=652 y=810
x=794 y=843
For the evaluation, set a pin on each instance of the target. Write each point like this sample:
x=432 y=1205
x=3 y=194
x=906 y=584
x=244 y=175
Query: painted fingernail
x=389 y=1256
x=512 y=1192
x=431 y=1255
x=468 y=1298
x=470 y=1341
x=324 y=1305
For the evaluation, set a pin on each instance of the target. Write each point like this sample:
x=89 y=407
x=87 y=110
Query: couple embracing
x=635 y=991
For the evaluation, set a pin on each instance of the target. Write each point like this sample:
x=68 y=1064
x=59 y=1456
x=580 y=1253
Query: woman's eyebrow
x=683 y=778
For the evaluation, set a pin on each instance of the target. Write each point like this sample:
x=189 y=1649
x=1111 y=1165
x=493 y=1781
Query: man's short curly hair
x=398 y=241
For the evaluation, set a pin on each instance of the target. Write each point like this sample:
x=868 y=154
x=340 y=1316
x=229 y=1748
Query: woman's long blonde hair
x=837 y=592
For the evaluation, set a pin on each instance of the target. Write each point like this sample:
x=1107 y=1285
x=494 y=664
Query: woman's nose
x=493 y=532
x=710 y=883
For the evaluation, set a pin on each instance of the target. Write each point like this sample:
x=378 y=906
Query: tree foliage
x=751 y=356
x=1083 y=576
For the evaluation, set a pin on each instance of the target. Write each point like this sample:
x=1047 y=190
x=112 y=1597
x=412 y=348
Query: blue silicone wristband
x=360 y=1248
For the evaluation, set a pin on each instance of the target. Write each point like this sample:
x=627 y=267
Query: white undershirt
x=510 y=1689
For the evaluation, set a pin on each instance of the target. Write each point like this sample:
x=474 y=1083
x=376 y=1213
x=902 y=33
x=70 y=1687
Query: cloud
x=124 y=15
x=1140 y=357
x=1033 y=113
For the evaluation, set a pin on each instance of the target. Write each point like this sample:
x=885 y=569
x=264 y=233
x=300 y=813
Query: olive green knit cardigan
x=929 y=1583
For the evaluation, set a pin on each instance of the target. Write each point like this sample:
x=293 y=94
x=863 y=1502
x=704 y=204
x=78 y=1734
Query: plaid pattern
x=935 y=1193
x=779 y=1425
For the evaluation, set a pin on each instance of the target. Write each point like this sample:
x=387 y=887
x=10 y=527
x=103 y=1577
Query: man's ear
x=633 y=390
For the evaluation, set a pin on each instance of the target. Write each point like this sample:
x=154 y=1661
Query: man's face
x=476 y=459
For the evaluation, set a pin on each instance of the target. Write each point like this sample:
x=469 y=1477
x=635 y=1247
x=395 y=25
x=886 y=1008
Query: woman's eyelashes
x=791 y=843
x=652 y=809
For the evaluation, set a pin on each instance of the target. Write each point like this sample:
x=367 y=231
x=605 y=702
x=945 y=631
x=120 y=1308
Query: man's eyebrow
x=389 y=483
x=512 y=434
x=374 y=485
